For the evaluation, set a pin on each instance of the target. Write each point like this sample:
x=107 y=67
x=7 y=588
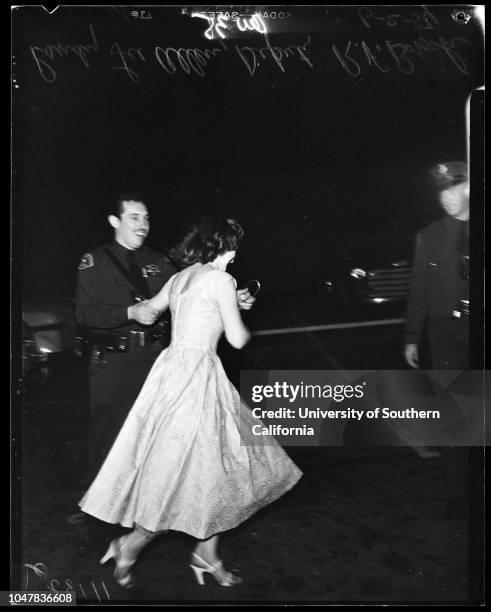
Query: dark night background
x=304 y=158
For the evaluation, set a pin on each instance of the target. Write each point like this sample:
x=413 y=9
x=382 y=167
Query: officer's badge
x=151 y=270
x=87 y=261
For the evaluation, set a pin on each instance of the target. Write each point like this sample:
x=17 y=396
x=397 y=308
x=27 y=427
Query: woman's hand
x=245 y=299
x=228 y=301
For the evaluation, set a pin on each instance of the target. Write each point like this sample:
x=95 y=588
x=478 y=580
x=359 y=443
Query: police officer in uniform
x=439 y=296
x=439 y=302
x=125 y=335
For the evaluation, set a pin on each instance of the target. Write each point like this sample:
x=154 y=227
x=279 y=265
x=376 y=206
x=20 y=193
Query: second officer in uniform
x=439 y=304
x=439 y=297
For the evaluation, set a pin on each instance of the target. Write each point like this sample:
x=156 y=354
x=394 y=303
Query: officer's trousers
x=449 y=343
x=115 y=380
x=449 y=346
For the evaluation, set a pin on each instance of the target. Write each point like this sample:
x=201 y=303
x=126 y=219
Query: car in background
x=50 y=336
x=34 y=361
x=370 y=271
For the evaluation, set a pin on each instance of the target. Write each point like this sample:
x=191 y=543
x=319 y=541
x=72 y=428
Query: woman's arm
x=161 y=301
x=235 y=331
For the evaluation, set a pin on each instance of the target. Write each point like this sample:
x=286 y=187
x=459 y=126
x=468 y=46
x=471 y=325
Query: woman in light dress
x=186 y=458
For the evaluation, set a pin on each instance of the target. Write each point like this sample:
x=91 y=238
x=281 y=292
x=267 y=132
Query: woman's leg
x=133 y=543
x=206 y=551
x=125 y=551
x=130 y=546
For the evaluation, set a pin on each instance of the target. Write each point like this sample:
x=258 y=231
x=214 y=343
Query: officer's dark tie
x=136 y=276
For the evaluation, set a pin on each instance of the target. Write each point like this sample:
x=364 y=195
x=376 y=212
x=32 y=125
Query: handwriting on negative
x=41 y=55
x=354 y=57
x=420 y=19
x=220 y=24
x=188 y=60
x=252 y=55
x=97 y=590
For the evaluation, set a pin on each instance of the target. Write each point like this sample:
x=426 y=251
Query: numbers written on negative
x=88 y=590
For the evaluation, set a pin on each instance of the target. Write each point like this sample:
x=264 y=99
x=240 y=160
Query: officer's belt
x=124 y=343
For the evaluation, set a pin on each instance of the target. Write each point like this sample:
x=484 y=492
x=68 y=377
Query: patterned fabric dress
x=185 y=458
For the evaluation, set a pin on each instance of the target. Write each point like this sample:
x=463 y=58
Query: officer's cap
x=447 y=174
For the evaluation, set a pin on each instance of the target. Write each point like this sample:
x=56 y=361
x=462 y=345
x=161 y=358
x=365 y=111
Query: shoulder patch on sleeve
x=87 y=261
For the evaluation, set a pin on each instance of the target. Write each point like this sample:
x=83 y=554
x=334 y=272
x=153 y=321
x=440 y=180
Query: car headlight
x=358 y=273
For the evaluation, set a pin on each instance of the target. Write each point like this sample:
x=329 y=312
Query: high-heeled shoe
x=122 y=571
x=227 y=579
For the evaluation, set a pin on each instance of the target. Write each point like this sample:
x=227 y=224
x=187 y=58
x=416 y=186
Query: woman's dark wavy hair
x=202 y=243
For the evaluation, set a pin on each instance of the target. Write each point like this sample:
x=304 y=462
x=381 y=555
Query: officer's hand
x=245 y=299
x=411 y=354
x=143 y=313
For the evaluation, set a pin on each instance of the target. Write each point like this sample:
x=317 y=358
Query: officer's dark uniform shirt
x=438 y=281
x=104 y=292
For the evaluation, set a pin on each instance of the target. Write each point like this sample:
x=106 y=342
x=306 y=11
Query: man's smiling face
x=133 y=224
